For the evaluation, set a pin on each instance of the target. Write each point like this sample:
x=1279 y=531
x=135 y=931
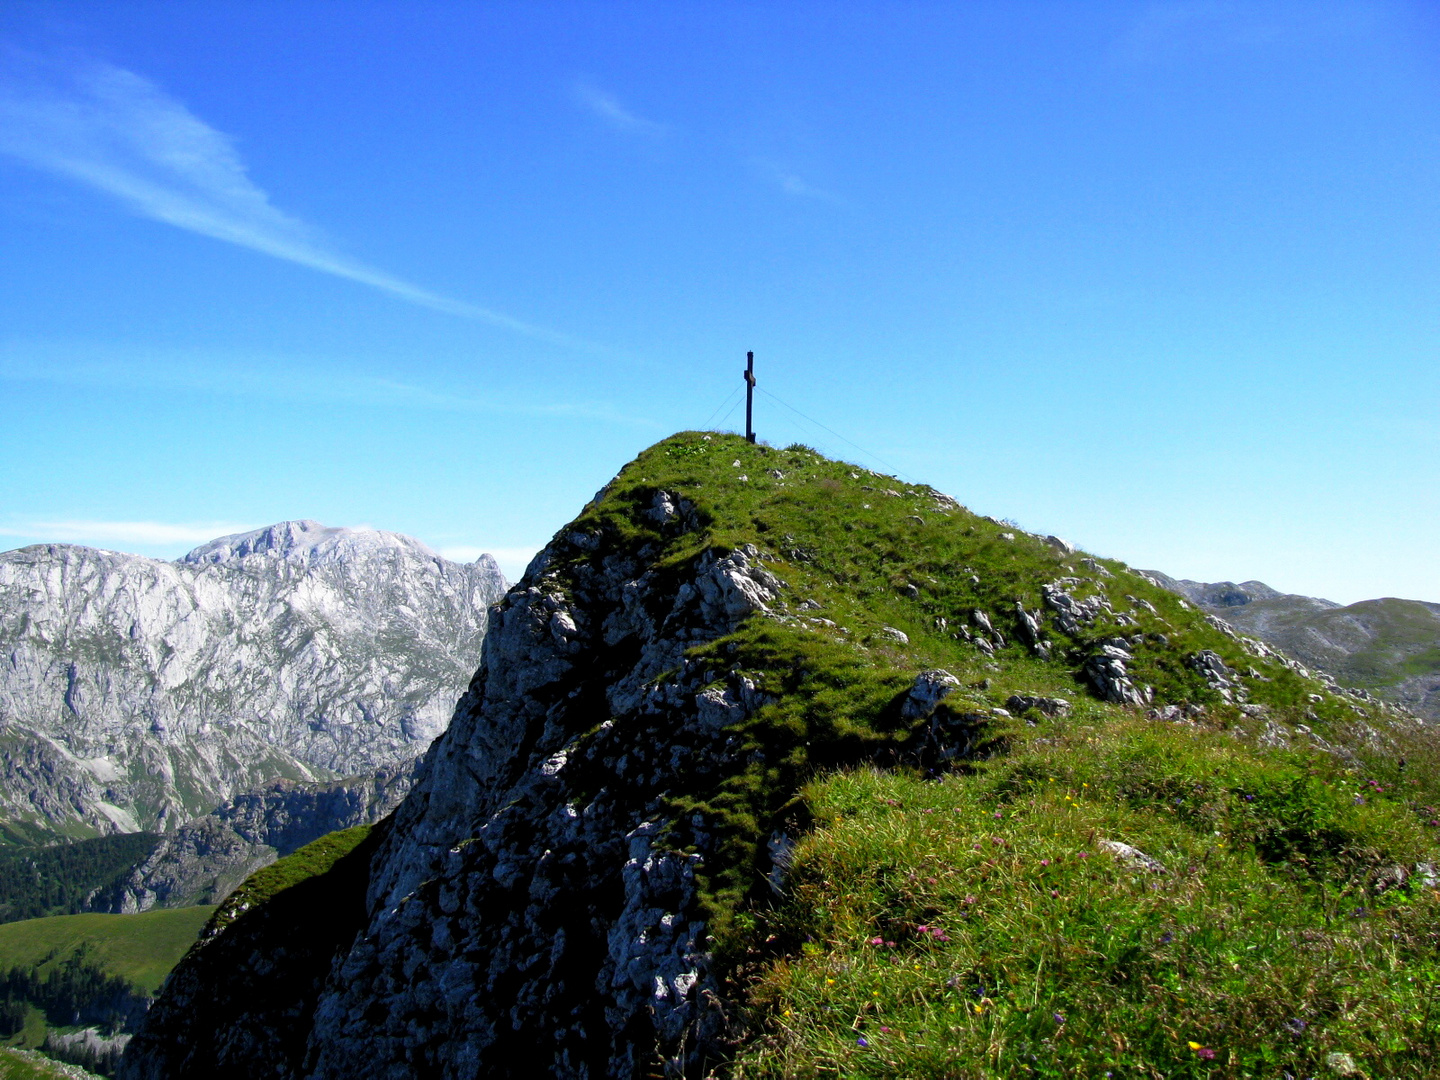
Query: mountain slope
x=1389 y=647
x=136 y=693
x=608 y=865
x=204 y=860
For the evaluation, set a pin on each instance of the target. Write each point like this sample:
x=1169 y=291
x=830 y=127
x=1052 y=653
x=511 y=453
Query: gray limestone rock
x=1072 y=615
x=138 y=694
x=928 y=690
x=1020 y=703
x=1132 y=856
x=1217 y=675
x=1107 y=673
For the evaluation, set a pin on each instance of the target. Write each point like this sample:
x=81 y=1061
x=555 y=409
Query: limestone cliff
x=137 y=693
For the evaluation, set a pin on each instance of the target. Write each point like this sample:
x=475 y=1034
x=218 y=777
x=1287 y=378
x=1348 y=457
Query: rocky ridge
x=139 y=694
x=1389 y=647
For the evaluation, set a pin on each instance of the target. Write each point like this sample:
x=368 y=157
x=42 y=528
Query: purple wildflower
x=861 y=1041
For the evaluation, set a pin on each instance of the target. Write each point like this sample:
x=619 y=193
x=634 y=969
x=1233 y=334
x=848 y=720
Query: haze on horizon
x=1159 y=278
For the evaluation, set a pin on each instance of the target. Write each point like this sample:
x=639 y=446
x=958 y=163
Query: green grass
x=975 y=926
x=19 y=1065
x=1266 y=944
x=32 y=1035
x=139 y=948
x=308 y=862
x=869 y=552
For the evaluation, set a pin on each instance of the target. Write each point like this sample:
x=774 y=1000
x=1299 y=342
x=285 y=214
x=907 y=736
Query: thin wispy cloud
x=118 y=133
x=608 y=108
x=793 y=184
x=1171 y=30
x=272 y=378
x=150 y=534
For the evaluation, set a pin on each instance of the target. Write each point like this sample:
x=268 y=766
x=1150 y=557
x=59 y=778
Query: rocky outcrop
x=1021 y=703
x=204 y=860
x=1217 y=675
x=1108 y=674
x=89 y=1048
x=521 y=902
x=529 y=871
x=138 y=694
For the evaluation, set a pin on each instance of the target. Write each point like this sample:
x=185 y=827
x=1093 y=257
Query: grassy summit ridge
x=1160 y=851
x=977 y=925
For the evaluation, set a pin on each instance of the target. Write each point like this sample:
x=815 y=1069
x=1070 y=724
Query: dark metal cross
x=749 y=396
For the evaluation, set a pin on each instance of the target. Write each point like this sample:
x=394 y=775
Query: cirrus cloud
x=119 y=133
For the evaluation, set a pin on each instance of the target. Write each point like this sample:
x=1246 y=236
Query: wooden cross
x=749 y=396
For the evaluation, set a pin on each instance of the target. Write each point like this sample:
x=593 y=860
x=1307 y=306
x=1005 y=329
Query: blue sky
x=1158 y=277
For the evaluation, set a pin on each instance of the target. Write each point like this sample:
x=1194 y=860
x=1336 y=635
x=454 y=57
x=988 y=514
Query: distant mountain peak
x=1227 y=594
x=296 y=650
x=306 y=541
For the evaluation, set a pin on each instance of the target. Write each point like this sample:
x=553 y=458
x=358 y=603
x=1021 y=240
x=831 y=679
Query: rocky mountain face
x=565 y=890
x=204 y=860
x=1389 y=647
x=139 y=694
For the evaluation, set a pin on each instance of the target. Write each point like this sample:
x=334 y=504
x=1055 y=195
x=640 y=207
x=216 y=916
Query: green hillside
x=1388 y=646
x=29 y=1065
x=983 y=924
x=312 y=860
x=138 y=948
x=1377 y=644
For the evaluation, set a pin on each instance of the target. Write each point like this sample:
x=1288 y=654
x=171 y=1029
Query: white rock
x=140 y=691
